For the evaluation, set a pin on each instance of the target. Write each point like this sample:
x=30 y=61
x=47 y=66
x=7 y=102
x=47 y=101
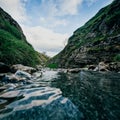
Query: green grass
x=117 y=58
x=97 y=31
x=53 y=65
x=13 y=51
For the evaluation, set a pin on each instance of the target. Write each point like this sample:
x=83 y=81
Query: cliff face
x=98 y=40
x=14 y=47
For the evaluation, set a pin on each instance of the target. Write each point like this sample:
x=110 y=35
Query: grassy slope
x=13 y=45
x=105 y=24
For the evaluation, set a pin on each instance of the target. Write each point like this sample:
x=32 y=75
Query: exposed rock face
x=98 y=40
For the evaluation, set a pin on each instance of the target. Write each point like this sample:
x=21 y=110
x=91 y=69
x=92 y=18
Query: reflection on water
x=35 y=102
x=96 y=94
x=64 y=96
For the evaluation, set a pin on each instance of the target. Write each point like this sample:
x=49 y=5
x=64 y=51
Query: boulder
x=101 y=67
x=39 y=67
x=11 y=78
x=2 y=76
x=21 y=67
x=75 y=70
x=114 y=66
x=22 y=74
x=19 y=76
x=91 y=67
x=4 y=68
x=37 y=74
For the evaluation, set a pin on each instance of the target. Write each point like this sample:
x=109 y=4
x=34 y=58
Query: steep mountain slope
x=14 y=47
x=98 y=40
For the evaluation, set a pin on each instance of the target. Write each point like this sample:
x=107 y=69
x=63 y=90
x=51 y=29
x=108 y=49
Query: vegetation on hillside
x=95 y=41
x=14 y=47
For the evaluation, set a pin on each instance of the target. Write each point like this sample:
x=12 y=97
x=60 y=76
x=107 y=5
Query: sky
x=47 y=24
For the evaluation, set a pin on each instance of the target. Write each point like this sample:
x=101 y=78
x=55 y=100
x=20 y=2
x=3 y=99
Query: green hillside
x=98 y=40
x=14 y=47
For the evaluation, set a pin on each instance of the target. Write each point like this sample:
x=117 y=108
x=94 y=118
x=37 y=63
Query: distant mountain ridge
x=14 y=47
x=98 y=40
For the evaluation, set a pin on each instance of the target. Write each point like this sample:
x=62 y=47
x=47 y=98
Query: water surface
x=58 y=95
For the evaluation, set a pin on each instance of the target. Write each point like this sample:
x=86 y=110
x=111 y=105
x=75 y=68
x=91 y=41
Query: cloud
x=15 y=8
x=60 y=7
x=55 y=11
x=41 y=38
x=90 y=2
x=53 y=22
x=45 y=40
x=70 y=7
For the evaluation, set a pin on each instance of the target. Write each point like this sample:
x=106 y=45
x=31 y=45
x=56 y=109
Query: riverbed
x=59 y=95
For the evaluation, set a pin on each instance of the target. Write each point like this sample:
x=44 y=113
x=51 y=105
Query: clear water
x=57 y=95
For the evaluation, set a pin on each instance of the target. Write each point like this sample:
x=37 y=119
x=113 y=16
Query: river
x=57 y=95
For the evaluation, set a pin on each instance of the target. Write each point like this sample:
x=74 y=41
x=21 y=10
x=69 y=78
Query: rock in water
x=23 y=74
x=28 y=69
x=101 y=67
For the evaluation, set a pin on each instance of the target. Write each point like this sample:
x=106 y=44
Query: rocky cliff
x=14 y=47
x=98 y=40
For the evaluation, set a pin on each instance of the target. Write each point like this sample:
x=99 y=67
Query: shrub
x=53 y=65
x=117 y=58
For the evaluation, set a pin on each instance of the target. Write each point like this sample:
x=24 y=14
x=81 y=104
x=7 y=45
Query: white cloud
x=41 y=38
x=90 y=2
x=15 y=8
x=60 y=22
x=60 y=7
x=53 y=22
x=45 y=40
x=70 y=6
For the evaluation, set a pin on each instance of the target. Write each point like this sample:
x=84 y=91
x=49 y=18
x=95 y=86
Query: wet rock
x=101 y=67
x=23 y=74
x=11 y=78
x=19 y=76
x=2 y=76
x=114 y=66
x=39 y=67
x=11 y=95
x=85 y=68
x=91 y=67
x=2 y=89
x=37 y=74
x=75 y=70
x=28 y=69
x=4 y=68
x=8 y=86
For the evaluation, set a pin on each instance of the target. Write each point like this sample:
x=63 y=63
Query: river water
x=86 y=95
